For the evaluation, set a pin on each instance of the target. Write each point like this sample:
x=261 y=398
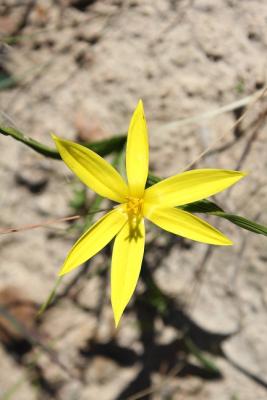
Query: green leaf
x=107 y=146
x=202 y=206
x=206 y=362
x=243 y=222
x=103 y=147
x=152 y=180
x=50 y=297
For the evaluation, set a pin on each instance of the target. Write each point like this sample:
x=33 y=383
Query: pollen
x=134 y=207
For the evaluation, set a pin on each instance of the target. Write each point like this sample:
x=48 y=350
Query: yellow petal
x=126 y=264
x=92 y=170
x=137 y=152
x=191 y=186
x=187 y=225
x=93 y=240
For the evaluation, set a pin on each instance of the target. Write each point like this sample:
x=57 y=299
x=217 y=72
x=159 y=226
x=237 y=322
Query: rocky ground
x=78 y=68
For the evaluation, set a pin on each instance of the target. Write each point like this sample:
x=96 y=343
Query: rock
x=89 y=296
x=33 y=173
x=18 y=313
x=13 y=378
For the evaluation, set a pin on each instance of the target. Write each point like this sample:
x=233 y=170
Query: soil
x=78 y=68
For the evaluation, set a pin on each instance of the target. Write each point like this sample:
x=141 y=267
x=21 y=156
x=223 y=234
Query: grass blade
x=243 y=223
x=103 y=147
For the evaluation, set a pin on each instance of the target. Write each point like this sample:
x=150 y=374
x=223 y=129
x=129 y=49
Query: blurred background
x=196 y=327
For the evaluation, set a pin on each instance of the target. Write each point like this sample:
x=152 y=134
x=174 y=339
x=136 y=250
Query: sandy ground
x=81 y=67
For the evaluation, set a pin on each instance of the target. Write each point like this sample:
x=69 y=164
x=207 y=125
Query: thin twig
x=155 y=388
x=213 y=113
x=50 y=222
x=258 y=125
x=25 y=17
x=33 y=226
x=53 y=297
x=34 y=339
x=253 y=100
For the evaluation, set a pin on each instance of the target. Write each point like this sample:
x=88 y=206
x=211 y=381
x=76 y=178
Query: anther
x=134 y=206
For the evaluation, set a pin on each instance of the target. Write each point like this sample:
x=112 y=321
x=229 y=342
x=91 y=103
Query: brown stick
x=33 y=226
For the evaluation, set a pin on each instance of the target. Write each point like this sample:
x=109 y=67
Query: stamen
x=134 y=207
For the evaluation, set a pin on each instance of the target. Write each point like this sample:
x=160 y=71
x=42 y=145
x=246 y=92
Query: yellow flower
x=126 y=220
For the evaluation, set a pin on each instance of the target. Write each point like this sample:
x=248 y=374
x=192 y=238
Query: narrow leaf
x=202 y=206
x=103 y=147
x=243 y=222
x=206 y=362
x=50 y=297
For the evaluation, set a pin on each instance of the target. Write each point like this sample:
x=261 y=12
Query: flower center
x=134 y=207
